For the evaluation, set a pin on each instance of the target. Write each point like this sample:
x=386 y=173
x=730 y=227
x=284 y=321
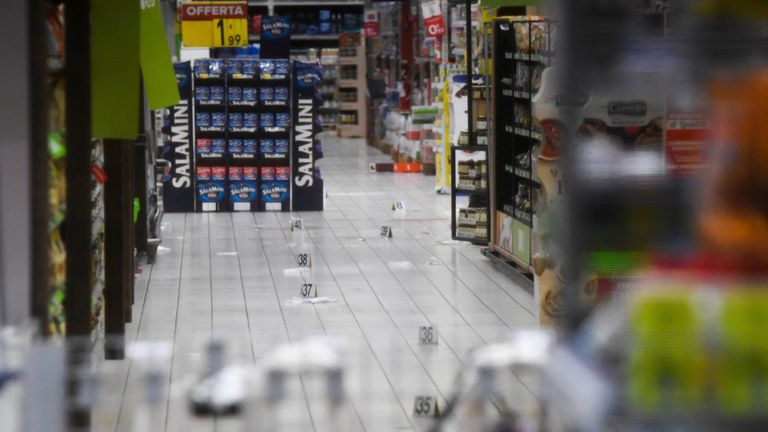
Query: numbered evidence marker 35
x=308 y=290
x=386 y=231
x=425 y=406
x=427 y=335
x=304 y=260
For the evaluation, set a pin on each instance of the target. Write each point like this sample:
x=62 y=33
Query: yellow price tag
x=214 y=24
x=230 y=32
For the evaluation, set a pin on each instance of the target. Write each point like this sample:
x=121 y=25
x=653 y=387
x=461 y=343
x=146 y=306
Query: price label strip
x=308 y=290
x=386 y=231
x=230 y=32
x=426 y=406
x=428 y=335
x=304 y=260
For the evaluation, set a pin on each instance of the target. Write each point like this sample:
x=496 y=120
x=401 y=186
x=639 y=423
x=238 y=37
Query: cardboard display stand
x=178 y=189
x=307 y=184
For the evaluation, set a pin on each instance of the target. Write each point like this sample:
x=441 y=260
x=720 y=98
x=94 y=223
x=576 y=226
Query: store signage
x=214 y=24
x=371 y=24
x=433 y=18
x=275 y=37
x=307 y=194
x=178 y=189
x=684 y=138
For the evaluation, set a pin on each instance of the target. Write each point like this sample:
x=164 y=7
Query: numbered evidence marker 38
x=304 y=260
x=308 y=290
x=425 y=406
x=427 y=335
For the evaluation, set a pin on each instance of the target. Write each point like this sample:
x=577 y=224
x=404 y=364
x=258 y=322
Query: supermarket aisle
x=232 y=275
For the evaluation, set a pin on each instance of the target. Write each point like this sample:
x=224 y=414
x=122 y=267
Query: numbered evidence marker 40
x=304 y=260
x=297 y=225
x=308 y=290
x=427 y=335
x=426 y=406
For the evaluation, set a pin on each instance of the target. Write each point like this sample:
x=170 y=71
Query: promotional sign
x=307 y=194
x=371 y=24
x=684 y=138
x=178 y=187
x=275 y=37
x=433 y=18
x=214 y=24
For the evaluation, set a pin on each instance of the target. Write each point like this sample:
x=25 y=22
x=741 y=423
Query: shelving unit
x=521 y=51
x=351 y=87
x=328 y=111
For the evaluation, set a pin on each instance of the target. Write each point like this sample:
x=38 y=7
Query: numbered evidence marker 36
x=386 y=231
x=425 y=406
x=304 y=260
x=308 y=290
x=427 y=335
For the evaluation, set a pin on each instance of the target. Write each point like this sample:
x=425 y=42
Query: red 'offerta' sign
x=435 y=25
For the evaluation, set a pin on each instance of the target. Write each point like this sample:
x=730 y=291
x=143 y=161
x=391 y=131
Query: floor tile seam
x=242 y=288
x=285 y=323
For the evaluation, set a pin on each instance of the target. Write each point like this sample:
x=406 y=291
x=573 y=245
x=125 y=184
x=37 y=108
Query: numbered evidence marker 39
x=427 y=335
x=304 y=260
x=386 y=231
x=308 y=290
x=425 y=406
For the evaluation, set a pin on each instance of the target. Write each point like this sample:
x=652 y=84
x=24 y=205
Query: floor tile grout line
x=367 y=340
x=130 y=363
x=456 y=274
x=175 y=329
x=392 y=319
x=285 y=322
x=449 y=303
x=242 y=289
x=459 y=313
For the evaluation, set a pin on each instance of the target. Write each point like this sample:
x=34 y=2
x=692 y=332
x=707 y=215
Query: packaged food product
x=235 y=173
x=267 y=146
x=282 y=173
x=218 y=173
x=235 y=145
x=203 y=173
x=202 y=119
x=267 y=173
x=203 y=145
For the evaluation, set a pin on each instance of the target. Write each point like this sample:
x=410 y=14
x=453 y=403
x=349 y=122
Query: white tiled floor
x=383 y=290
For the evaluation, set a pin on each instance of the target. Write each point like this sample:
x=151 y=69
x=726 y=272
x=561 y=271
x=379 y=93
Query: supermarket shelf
x=303 y=37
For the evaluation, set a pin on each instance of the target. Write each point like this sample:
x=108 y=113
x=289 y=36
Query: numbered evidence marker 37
x=304 y=260
x=308 y=290
x=428 y=335
x=425 y=406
